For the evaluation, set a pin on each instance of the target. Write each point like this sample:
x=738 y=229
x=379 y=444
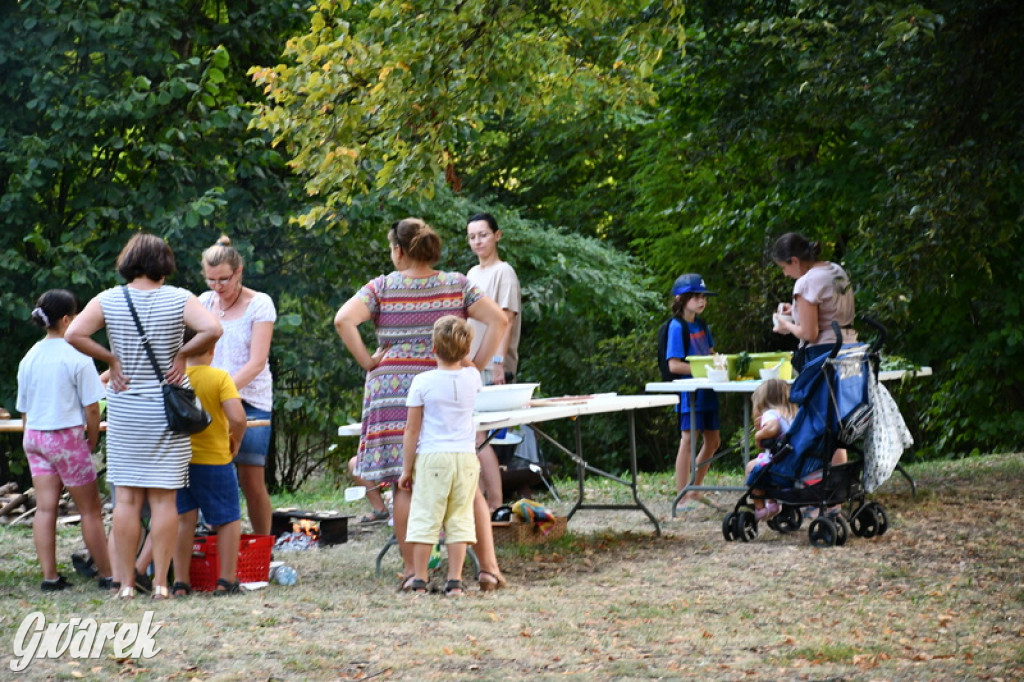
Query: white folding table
x=680 y=386
x=574 y=407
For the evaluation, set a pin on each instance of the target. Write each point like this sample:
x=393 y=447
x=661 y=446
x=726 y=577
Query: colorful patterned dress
x=403 y=310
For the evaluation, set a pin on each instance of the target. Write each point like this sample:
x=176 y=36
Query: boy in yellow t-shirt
x=212 y=480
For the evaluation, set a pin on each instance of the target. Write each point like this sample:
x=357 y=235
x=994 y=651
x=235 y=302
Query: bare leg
x=420 y=559
x=839 y=456
x=373 y=495
x=87 y=499
x=757 y=501
x=683 y=457
x=485 y=542
x=228 y=536
x=44 y=524
x=145 y=557
x=712 y=440
x=163 y=504
x=127 y=528
x=401 y=499
x=183 y=547
x=257 y=499
x=456 y=559
x=490 y=473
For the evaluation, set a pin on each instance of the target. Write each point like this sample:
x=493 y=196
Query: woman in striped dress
x=145 y=460
x=403 y=306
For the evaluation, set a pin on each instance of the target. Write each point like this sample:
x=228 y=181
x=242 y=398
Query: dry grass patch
x=939 y=597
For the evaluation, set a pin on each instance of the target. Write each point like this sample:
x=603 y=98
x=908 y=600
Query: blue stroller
x=834 y=412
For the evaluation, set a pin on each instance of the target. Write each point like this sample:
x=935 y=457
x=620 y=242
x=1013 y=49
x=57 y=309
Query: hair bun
x=224 y=240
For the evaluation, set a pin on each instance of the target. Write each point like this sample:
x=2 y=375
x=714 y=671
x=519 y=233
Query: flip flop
x=688 y=506
x=376 y=516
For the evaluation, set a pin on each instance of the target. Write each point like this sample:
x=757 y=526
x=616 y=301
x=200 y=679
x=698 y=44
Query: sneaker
x=83 y=563
x=810 y=512
x=107 y=584
x=54 y=585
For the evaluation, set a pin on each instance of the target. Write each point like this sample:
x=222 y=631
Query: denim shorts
x=256 y=443
x=213 y=489
x=707 y=420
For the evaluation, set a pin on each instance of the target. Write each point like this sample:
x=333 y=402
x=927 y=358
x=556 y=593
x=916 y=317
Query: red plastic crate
x=253 y=561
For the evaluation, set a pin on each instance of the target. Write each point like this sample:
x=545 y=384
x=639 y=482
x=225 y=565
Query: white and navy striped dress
x=141 y=451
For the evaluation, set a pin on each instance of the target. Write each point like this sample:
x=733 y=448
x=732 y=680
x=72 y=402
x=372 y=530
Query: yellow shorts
x=443 y=489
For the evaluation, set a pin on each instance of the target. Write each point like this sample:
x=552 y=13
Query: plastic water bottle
x=284 y=575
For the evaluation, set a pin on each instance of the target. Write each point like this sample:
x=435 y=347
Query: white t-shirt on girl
x=55 y=383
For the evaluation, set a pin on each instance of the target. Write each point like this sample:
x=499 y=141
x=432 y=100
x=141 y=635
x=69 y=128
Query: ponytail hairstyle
x=222 y=252
x=53 y=306
x=417 y=239
x=794 y=245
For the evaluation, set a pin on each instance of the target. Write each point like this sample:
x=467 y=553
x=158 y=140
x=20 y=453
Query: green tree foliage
x=121 y=116
x=385 y=95
x=888 y=131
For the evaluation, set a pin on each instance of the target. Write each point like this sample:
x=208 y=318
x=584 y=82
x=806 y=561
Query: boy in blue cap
x=690 y=297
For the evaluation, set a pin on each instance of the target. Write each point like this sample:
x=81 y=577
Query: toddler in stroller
x=773 y=413
x=832 y=392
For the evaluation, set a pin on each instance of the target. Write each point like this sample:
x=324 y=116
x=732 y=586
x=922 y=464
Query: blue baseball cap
x=690 y=283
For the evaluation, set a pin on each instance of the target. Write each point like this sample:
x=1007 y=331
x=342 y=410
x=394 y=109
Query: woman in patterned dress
x=403 y=306
x=145 y=460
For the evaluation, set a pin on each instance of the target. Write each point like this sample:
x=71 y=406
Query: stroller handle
x=883 y=333
x=871 y=322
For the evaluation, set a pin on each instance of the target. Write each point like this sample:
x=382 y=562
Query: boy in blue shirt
x=690 y=297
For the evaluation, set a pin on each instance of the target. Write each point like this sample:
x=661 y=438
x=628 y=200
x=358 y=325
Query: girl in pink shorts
x=58 y=398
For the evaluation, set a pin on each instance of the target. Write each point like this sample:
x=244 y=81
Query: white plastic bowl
x=772 y=373
x=504 y=397
x=718 y=376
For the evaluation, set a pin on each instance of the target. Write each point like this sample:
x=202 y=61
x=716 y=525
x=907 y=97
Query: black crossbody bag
x=185 y=414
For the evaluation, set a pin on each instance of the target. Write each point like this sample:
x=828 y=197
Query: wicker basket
x=521 y=533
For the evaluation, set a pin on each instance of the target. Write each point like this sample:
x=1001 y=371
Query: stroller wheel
x=842 y=530
x=881 y=518
x=744 y=526
x=727 y=527
x=823 y=532
x=865 y=521
x=787 y=521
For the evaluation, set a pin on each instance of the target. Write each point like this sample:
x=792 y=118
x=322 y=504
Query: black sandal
x=453 y=588
x=180 y=589
x=225 y=588
x=414 y=584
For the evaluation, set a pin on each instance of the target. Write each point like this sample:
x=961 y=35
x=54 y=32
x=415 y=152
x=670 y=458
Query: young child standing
x=439 y=455
x=58 y=396
x=773 y=414
x=690 y=297
x=212 y=481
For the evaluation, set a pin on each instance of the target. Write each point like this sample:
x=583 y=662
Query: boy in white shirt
x=439 y=453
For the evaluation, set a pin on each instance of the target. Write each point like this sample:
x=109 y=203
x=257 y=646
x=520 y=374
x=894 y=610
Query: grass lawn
x=939 y=597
